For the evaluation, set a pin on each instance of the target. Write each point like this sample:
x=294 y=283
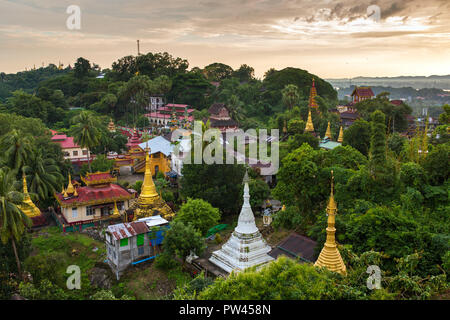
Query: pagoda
x=328 y=133
x=309 y=124
x=29 y=208
x=341 y=135
x=111 y=126
x=150 y=202
x=246 y=247
x=330 y=257
x=312 y=96
x=134 y=141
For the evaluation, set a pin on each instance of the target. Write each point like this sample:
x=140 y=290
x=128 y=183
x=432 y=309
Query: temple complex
x=330 y=257
x=100 y=200
x=150 y=203
x=246 y=247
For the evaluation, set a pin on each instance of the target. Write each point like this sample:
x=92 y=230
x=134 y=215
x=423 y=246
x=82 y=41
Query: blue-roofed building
x=327 y=144
x=160 y=154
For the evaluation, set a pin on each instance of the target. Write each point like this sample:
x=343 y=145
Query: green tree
x=217 y=71
x=13 y=221
x=199 y=213
x=43 y=176
x=16 y=149
x=290 y=96
x=245 y=73
x=358 y=136
x=85 y=131
x=181 y=239
x=437 y=164
x=82 y=68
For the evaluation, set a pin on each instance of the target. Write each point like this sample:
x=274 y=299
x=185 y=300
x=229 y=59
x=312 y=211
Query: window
x=75 y=153
x=140 y=251
x=123 y=242
x=84 y=152
x=140 y=240
x=90 y=211
x=74 y=212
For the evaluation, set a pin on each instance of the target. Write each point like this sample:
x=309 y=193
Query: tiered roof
x=312 y=96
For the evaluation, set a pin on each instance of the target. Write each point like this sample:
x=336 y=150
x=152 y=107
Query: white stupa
x=246 y=246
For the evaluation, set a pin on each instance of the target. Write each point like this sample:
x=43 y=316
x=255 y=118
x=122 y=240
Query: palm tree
x=43 y=175
x=86 y=131
x=290 y=95
x=16 y=149
x=235 y=108
x=13 y=220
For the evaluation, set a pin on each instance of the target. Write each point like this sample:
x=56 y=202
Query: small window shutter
x=140 y=240
x=123 y=242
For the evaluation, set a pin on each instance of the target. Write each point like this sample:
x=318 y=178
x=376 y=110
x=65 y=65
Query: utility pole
x=138 y=48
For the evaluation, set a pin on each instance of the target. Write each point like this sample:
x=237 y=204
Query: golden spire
x=341 y=135
x=330 y=257
x=116 y=211
x=29 y=208
x=70 y=188
x=25 y=187
x=148 y=190
x=328 y=133
x=312 y=96
x=309 y=124
x=111 y=126
x=75 y=193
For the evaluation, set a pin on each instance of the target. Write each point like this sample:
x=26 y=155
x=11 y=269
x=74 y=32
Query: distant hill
x=416 y=82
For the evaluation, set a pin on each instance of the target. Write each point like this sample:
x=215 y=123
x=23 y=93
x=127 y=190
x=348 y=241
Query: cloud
x=267 y=29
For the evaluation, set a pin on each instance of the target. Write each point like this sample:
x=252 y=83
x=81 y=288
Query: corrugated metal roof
x=127 y=230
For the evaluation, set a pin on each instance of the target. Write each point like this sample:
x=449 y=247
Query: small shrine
x=246 y=247
x=330 y=257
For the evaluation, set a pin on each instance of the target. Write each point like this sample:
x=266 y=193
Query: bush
x=165 y=262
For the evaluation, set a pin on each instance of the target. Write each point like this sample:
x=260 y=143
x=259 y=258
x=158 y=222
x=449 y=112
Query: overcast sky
x=333 y=39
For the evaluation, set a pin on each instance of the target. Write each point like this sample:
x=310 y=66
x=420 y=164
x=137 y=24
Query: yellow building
x=330 y=257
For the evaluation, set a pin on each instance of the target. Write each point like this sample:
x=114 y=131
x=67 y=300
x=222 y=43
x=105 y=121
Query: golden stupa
x=341 y=135
x=330 y=257
x=30 y=208
x=111 y=126
x=309 y=124
x=149 y=202
x=328 y=133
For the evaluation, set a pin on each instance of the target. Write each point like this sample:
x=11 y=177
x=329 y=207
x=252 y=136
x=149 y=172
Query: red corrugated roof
x=64 y=141
x=88 y=193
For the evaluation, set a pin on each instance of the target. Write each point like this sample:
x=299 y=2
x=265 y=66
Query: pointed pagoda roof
x=30 y=208
x=111 y=126
x=330 y=257
x=341 y=135
x=309 y=124
x=312 y=96
x=135 y=139
x=328 y=133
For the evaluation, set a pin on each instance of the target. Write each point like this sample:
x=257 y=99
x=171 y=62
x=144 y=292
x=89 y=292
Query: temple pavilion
x=150 y=203
x=100 y=200
x=330 y=257
x=246 y=246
